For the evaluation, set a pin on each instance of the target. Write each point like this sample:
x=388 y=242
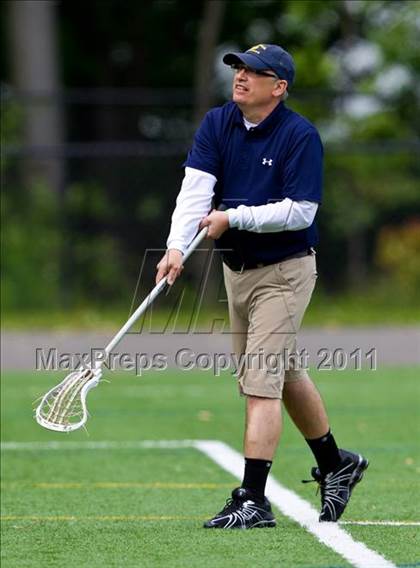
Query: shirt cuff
x=178 y=245
x=234 y=220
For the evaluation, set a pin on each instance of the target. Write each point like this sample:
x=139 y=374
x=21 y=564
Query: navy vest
x=281 y=157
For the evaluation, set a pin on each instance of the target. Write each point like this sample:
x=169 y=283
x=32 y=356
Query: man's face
x=252 y=88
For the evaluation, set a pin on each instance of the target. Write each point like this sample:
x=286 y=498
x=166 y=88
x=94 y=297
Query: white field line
x=382 y=523
x=144 y=444
x=296 y=508
x=288 y=502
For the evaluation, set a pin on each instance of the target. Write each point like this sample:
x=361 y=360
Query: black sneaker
x=336 y=486
x=243 y=512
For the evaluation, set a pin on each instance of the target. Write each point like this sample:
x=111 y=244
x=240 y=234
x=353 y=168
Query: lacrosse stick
x=63 y=408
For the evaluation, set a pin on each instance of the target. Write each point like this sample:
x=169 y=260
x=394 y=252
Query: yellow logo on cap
x=256 y=47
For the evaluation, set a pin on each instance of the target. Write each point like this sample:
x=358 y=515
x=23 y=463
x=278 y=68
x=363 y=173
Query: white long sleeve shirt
x=194 y=202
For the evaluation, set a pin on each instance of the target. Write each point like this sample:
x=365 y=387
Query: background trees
x=99 y=104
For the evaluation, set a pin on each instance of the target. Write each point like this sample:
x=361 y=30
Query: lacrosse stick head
x=63 y=408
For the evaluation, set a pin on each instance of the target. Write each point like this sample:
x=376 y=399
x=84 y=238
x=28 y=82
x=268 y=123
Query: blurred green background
x=99 y=103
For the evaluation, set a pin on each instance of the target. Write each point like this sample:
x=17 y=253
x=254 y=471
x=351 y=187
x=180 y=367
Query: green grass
x=63 y=507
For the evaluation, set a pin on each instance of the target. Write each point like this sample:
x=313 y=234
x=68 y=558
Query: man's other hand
x=217 y=223
x=170 y=265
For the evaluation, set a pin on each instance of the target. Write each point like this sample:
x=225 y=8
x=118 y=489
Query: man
x=264 y=162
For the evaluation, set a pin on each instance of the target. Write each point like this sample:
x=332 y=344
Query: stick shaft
x=147 y=302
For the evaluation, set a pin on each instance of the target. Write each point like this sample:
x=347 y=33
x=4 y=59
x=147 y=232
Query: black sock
x=255 y=476
x=326 y=453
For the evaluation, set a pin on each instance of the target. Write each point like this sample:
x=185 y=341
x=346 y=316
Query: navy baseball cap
x=266 y=56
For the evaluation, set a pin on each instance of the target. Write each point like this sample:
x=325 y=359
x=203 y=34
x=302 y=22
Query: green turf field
x=145 y=507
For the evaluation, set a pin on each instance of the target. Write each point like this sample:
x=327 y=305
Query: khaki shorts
x=266 y=308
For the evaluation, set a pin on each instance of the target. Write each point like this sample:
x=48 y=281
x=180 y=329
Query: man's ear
x=280 y=88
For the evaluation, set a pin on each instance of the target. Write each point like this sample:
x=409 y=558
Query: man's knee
x=295 y=375
x=261 y=403
x=297 y=387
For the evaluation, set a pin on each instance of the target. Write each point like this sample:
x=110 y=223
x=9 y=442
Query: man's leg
x=262 y=433
x=248 y=507
x=262 y=428
x=338 y=470
x=306 y=408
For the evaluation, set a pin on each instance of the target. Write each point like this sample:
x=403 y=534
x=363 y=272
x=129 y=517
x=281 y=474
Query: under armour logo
x=266 y=162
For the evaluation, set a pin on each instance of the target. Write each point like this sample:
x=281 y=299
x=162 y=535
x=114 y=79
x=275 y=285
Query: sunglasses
x=239 y=67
